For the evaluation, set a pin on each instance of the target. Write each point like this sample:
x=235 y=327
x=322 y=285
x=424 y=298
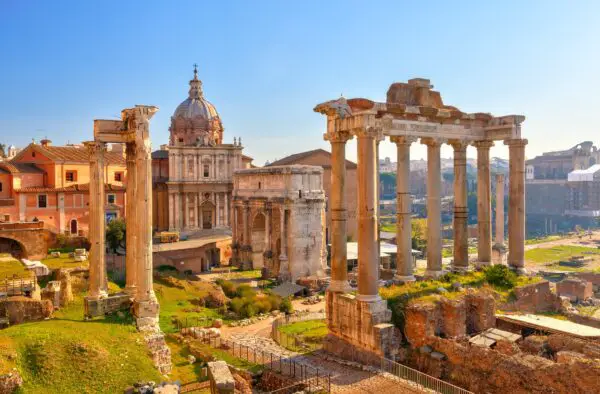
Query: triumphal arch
x=412 y=112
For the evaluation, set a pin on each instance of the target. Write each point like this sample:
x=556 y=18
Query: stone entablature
x=278 y=223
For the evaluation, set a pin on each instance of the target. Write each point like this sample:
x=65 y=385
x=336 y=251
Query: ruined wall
x=23 y=309
x=576 y=290
x=534 y=298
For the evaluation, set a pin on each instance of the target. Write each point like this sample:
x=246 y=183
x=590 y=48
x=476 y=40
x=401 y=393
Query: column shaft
x=368 y=258
x=131 y=218
x=484 y=203
x=461 y=231
x=404 y=259
x=97 y=275
x=434 y=222
x=284 y=267
x=499 y=209
x=337 y=200
x=516 y=204
x=186 y=211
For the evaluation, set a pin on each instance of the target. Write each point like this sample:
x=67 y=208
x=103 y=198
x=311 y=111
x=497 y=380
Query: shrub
x=166 y=268
x=244 y=291
x=286 y=306
x=500 y=276
x=228 y=287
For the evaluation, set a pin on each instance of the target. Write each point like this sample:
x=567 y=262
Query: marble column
x=484 y=203
x=284 y=267
x=97 y=272
x=196 y=202
x=404 y=258
x=130 y=218
x=227 y=224
x=499 y=209
x=461 y=214
x=516 y=204
x=368 y=257
x=267 y=228
x=186 y=210
x=171 y=211
x=337 y=203
x=434 y=215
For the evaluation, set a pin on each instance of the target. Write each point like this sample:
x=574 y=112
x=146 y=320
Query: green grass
x=12 y=268
x=69 y=355
x=549 y=238
x=558 y=253
x=309 y=329
x=221 y=354
x=182 y=369
x=63 y=262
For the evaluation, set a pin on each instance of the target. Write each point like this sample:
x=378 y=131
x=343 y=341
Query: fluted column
x=499 y=239
x=484 y=203
x=368 y=256
x=130 y=218
x=434 y=222
x=196 y=218
x=404 y=259
x=516 y=204
x=337 y=202
x=97 y=274
x=461 y=231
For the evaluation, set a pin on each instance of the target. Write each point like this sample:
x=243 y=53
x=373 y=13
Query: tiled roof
x=247 y=157
x=72 y=154
x=160 y=154
x=293 y=159
x=20 y=168
x=83 y=187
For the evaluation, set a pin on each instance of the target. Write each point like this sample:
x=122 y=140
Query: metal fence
x=13 y=286
x=318 y=380
x=295 y=342
x=421 y=379
x=193 y=321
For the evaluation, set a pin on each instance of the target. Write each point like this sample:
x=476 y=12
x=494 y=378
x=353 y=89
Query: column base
x=368 y=297
x=339 y=286
x=433 y=274
x=404 y=278
x=460 y=269
x=100 y=296
x=483 y=264
x=518 y=270
x=131 y=290
x=146 y=314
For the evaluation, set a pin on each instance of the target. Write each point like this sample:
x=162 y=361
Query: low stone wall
x=358 y=330
x=23 y=309
x=592 y=277
x=534 y=298
x=484 y=370
x=575 y=289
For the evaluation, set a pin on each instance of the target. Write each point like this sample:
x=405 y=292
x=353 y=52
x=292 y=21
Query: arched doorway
x=207 y=215
x=12 y=247
x=257 y=236
x=74 y=227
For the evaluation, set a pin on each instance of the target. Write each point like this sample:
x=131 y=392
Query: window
x=42 y=201
x=0 y=186
x=32 y=154
x=111 y=198
x=71 y=176
x=190 y=166
x=206 y=170
x=259 y=185
x=118 y=177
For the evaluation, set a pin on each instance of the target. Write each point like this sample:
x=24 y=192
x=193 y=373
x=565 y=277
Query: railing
x=293 y=342
x=288 y=366
x=17 y=286
x=421 y=379
x=193 y=321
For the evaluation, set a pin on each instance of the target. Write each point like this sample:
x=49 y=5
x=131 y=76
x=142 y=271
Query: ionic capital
x=516 y=142
x=432 y=141
x=483 y=144
x=338 y=136
x=459 y=145
x=403 y=139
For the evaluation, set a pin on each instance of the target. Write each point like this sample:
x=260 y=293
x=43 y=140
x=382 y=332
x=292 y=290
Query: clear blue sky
x=265 y=64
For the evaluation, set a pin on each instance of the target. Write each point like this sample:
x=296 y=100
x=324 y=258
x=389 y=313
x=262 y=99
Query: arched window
x=206 y=170
x=74 y=227
x=0 y=186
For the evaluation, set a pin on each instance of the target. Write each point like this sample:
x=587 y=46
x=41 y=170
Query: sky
x=266 y=64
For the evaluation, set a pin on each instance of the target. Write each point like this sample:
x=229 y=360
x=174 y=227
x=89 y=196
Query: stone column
x=516 y=204
x=404 y=259
x=97 y=273
x=267 y=227
x=368 y=258
x=499 y=209
x=130 y=219
x=337 y=203
x=434 y=222
x=171 y=211
x=227 y=209
x=186 y=210
x=484 y=203
x=196 y=202
x=246 y=223
x=284 y=267
x=218 y=209
x=461 y=214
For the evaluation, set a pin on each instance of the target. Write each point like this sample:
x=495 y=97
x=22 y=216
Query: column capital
x=516 y=142
x=368 y=132
x=432 y=141
x=483 y=144
x=403 y=139
x=338 y=136
x=95 y=147
x=459 y=145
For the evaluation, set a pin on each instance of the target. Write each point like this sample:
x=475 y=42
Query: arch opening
x=257 y=237
x=12 y=247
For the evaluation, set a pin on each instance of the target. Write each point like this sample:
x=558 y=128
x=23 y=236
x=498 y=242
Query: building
x=50 y=184
x=322 y=158
x=279 y=217
x=193 y=175
x=583 y=192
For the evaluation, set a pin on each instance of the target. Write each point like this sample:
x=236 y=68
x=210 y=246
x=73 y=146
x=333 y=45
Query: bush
x=166 y=268
x=228 y=287
x=244 y=291
x=500 y=276
x=286 y=306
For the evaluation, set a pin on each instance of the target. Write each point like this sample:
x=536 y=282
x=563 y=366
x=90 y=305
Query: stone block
x=221 y=379
x=577 y=290
x=113 y=303
x=481 y=311
x=23 y=309
x=454 y=318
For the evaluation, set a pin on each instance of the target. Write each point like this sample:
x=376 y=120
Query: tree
x=2 y=150
x=115 y=234
x=419 y=233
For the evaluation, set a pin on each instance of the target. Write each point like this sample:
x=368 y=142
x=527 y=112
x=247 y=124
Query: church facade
x=193 y=175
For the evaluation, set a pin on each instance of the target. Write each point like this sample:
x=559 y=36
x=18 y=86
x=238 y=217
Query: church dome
x=196 y=105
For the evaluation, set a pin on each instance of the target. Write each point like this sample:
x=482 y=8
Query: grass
x=63 y=262
x=558 y=253
x=182 y=369
x=549 y=238
x=310 y=329
x=69 y=355
x=13 y=267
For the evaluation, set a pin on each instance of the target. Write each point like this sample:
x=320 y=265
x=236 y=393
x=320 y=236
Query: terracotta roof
x=293 y=159
x=20 y=168
x=83 y=187
x=72 y=154
x=244 y=157
x=160 y=154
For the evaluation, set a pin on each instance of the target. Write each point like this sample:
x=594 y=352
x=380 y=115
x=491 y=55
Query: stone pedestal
x=360 y=331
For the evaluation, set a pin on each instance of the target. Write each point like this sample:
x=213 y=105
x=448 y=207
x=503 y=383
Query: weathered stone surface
x=159 y=351
x=66 y=289
x=537 y=297
x=534 y=344
x=567 y=357
x=453 y=318
x=481 y=311
x=420 y=323
x=557 y=343
x=221 y=378
x=575 y=289
x=10 y=382
x=22 y=309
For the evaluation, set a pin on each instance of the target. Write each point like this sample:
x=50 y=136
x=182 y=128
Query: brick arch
x=13 y=246
x=34 y=242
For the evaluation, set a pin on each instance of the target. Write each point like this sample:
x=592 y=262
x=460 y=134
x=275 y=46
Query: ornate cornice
x=403 y=140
